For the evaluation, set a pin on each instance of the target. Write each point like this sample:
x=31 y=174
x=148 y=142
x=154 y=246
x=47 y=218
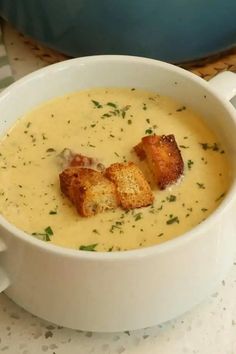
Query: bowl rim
x=196 y=232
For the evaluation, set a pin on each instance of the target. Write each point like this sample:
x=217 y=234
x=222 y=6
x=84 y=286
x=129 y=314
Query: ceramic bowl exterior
x=119 y=290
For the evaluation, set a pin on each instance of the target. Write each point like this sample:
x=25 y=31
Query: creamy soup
x=106 y=124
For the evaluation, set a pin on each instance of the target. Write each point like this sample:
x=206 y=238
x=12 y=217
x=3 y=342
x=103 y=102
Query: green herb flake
x=171 y=198
x=96 y=104
x=117 y=226
x=201 y=185
x=144 y=106
x=91 y=145
x=129 y=121
x=161 y=234
x=204 y=209
x=149 y=131
x=90 y=248
x=213 y=147
x=48 y=231
x=190 y=164
x=44 y=236
x=184 y=147
x=138 y=216
x=50 y=150
x=172 y=220
x=220 y=197
x=95 y=231
x=111 y=104
x=181 y=109
x=127 y=332
x=52 y=212
x=106 y=115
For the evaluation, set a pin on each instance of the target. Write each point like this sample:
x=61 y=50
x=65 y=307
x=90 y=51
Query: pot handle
x=4 y=280
x=225 y=84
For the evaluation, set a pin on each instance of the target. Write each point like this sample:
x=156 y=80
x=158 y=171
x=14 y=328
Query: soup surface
x=106 y=124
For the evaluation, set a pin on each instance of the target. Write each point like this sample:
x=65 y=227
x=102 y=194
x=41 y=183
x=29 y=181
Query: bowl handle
x=225 y=84
x=4 y=280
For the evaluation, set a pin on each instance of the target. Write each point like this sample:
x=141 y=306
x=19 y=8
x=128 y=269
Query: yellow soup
x=106 y=124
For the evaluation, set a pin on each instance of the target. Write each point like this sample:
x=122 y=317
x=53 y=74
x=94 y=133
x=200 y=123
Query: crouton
x=88 y=190
x=132 y=188
x=67 y=179
x=140 y=151
x=164 y=158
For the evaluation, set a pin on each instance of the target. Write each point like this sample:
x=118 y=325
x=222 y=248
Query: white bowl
x=132 y=289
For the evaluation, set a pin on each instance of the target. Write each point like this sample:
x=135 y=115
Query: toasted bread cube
x=89 y=190
x=140 y=151
x=67 y=179
x=164 y=158
x=132 y=188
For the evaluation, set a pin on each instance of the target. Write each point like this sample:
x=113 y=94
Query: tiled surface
x=210 y=328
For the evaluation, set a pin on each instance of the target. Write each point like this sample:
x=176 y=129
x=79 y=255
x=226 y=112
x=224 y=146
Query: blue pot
x=170 y=30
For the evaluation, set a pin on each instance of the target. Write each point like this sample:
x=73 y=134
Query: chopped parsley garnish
x=213 y=147
x=90 y=248
x=96 y=104
x=117 y=112
x=171 y=198
x=117 y=226
x=149 y=131
x=44 y=236
x=172 y=220
x=53 y=212
x=184 y=146
x=190 y=163
x=181 y=109
x=220 y=197
x=90 y=145
x=111 y=104
x=50 y=150
x=201 y=185
x=49 y=231
x=95 y=231
x=138 y=216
